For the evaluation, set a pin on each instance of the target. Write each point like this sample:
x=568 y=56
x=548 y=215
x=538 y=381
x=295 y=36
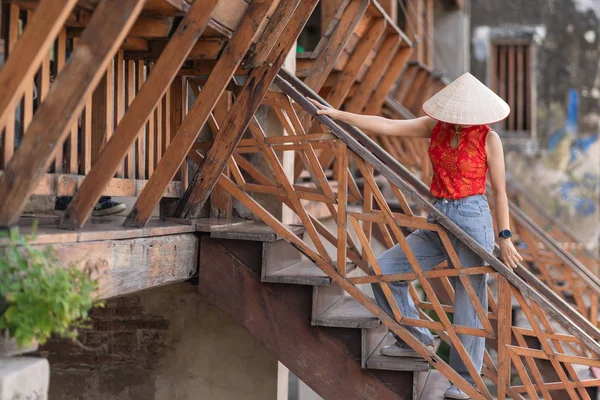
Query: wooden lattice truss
x=262 y=39
x=517 y=366
x=575 y=279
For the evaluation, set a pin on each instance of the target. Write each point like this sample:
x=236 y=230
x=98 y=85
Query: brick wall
x=164 y=343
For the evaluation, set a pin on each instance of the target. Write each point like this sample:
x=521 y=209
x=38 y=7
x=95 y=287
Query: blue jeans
x=473 y=215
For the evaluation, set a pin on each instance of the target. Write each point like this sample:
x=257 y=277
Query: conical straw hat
x=467 y=101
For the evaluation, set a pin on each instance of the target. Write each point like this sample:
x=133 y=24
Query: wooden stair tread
x=305 y=272
x=252 y=231
x=432 y=385
x=347 y=313
x=379 y=361
x=302 y=273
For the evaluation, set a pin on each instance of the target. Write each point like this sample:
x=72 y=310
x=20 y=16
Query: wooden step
x=332 y=306
x=304 y=272
x=252 y=230
x=379 y=361
x=430 y=385
x=347 y=313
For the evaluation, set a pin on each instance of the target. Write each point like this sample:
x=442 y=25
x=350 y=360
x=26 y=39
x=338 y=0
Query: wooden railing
x=397 y=89
x=116 y=121
x=512 y=363
x=575 y=279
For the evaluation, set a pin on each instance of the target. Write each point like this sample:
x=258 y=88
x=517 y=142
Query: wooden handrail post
x=504 y=336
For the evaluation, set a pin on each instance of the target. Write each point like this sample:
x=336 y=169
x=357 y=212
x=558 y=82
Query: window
x=511 y=74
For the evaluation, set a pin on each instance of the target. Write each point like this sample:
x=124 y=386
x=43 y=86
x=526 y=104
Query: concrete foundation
x=24 y=378
x=165 y=343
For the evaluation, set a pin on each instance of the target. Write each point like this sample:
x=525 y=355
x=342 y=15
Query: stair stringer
x=278 y=316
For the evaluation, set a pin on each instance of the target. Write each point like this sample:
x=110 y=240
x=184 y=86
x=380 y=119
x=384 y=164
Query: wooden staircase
x=323 y=335
x=308 y=305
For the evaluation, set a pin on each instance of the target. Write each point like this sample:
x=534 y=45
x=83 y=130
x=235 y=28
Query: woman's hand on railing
x=324 y=110
x=509 y=253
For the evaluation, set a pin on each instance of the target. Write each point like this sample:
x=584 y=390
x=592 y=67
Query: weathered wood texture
x=25 y=59
x=128 y=266
x=242 y=111
x=97 y=46
x=204 y=104
x=277 y=316
x=128 y=129
x=545 y=306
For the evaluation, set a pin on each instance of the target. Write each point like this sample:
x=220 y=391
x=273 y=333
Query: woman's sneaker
x=455 y=393
x=401 y=350
x=106 y=206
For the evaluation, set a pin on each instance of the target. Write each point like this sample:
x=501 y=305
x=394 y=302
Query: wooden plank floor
x=105 y=228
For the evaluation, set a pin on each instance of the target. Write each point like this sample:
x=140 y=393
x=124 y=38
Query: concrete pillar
x=24 y=378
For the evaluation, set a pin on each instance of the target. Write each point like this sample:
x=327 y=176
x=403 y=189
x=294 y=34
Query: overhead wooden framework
x=118 y=120
x=566 y=340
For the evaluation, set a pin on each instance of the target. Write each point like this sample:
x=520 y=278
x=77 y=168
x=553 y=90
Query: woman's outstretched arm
x=417 y=127
x=495 y=160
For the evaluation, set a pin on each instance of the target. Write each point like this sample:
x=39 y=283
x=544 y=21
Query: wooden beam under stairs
x=325 y=358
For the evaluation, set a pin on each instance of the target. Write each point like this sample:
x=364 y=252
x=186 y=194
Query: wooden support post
x=139 y=142
x=150 y=135
x=101 y=116
x=342 y=222
x=24 y=59
x=221 y=205
x=61 y=59
x=217 y=82
x=119 y=100
x=13 y=26
x=86 y=136
x=98 y=44
x=176 y=110
x=243 y=110
x=150 y=94
x=129 y=96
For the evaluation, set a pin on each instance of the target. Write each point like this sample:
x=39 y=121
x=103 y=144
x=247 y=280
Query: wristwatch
x=505 y=234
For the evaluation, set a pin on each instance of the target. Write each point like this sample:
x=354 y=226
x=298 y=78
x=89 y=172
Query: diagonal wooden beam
x=335 y=43
x=365 y=89
x=384 y=56
x=405 y=81
x=166 y=68
x=338 y=94
x=98 y=44
x=25 y=59
x=387 y=82
x=415 y=88
x=208 y=97
x=239 y=117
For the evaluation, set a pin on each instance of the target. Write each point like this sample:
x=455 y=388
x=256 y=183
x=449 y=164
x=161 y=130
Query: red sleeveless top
x=458 y=172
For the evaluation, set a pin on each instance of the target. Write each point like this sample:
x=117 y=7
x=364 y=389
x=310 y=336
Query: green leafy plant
x=39 y=297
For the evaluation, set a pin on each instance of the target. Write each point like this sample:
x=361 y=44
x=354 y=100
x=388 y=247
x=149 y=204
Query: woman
x=463 y=149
